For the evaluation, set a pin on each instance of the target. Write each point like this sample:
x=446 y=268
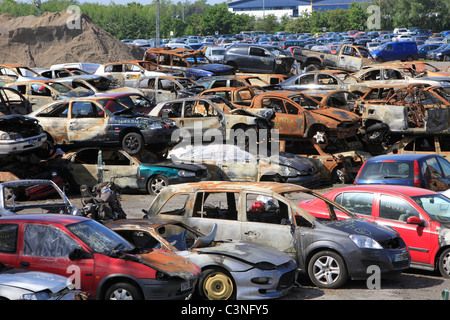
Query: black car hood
x=364 y=228
x=215 y=68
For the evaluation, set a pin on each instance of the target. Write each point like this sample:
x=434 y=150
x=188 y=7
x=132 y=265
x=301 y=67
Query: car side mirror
x=414 y=220
x=79 y=253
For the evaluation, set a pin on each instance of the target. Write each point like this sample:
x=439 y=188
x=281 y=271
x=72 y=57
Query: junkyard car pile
x=230 y=151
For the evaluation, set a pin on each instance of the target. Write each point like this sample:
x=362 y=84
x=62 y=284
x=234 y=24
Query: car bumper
x=389 y=261
x=280 y=283
x=157 y=136
x=306 y=181
x=21 y=145
x=173 y=289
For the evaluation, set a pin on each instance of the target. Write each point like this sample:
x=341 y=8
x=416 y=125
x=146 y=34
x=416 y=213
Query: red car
x=421 y=217
x=99 y=261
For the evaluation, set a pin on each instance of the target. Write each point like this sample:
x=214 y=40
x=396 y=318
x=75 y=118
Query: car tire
x=216 y=284
x=133 y=143
x=446 y=58
x=123 y=291
x=327 y=269
x=156 y=183
x=379 y=59
x=444 y=263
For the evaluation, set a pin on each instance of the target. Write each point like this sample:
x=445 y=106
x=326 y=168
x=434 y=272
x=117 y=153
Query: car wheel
x=444 y=263
x=446 y=58
x=327 y=269
x=409 y=58
x=216 y=284
x=156 y=184
x=123 y=291
x=379 y=59
x=133 y=143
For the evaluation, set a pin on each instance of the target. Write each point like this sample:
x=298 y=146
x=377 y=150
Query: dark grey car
x=329 y=251
x=258 y=58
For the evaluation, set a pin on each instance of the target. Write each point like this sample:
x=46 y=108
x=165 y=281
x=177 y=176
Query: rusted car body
x=386 y=74
x=191 y=63
x=14 y=72
x=261 y=79
x=42 y=92
x=13 y=102
x=230 y=81
x=163 y=88
x=339 y=99
x=240 y=96
x=409 y=111
x=349 y=57
x=212 y=116
x=103 y=121
x=430 y=144
x=125 y=73
x=230 y=269
x=280 y=222
x=300 y=117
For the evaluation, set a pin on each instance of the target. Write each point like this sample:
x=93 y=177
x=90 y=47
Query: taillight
x=417 y=182
x=359 y=172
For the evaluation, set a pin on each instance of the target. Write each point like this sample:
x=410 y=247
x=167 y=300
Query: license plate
x=401 y=257
x=186 y=286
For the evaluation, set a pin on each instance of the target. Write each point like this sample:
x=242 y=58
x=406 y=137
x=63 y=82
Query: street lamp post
x=157 y=23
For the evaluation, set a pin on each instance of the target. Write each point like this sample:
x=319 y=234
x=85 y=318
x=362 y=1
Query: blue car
x=429 y=171
x=425 y=48
x=397 y=50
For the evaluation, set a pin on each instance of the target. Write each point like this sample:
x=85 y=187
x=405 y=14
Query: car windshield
x=99 y=238
x=437 y=206
x=59 y=87
x=113 y=106
x=277 y=52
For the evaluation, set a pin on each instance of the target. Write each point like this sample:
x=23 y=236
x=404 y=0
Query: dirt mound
x=59 y=37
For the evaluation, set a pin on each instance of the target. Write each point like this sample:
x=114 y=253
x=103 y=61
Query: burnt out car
x=408 y=111
x=258 y=58
x=13 y=102
x=230 y=269
x=19 y=133
x=104 y=121
x=163 y=88
x=190 y=63
x=330 y=251
x=300 y=117
x=213 y=116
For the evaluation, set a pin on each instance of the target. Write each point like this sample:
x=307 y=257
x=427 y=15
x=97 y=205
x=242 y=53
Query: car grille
x=393 y=243
x=286 y=280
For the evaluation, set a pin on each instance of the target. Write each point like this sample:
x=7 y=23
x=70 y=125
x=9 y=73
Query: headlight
x=365 y=242
x=445 y=83
x=43 y=295
x=155 y=126
x=186 y=174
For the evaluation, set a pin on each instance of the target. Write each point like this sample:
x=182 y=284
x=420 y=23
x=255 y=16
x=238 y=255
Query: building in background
x=291 y=8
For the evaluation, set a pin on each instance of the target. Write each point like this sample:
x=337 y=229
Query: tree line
x=138 y=21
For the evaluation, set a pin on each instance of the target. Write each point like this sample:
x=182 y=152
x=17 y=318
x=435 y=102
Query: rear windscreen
x=387 y=170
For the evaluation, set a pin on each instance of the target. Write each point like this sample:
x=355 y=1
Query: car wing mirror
x=414 y=220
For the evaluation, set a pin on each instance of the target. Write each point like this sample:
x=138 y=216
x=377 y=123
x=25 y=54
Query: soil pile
x=59 y=37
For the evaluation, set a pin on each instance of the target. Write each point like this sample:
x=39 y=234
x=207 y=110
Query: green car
x=89 y=166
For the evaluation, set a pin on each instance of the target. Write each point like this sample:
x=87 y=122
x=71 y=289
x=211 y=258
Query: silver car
x=18 y=284
x=230 y=269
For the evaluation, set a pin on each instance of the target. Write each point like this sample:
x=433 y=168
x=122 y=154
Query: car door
x=437 y=173
x=39 y=94
x=289 y=119
x=131 y=74
x=200 y=116
x=117 y=165
x=88 y=122
x=47 y=248
x=55 y=120
x=265 y=224
x=393 y=211
x=260 y=60
x=83 y=167
x=219 y=207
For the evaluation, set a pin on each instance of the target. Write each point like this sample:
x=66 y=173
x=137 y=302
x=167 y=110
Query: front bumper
x=281 y=282
x=390 y=262
x=172 y=289
x=21 y=145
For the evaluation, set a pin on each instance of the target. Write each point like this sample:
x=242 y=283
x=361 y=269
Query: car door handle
x=23 y=264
